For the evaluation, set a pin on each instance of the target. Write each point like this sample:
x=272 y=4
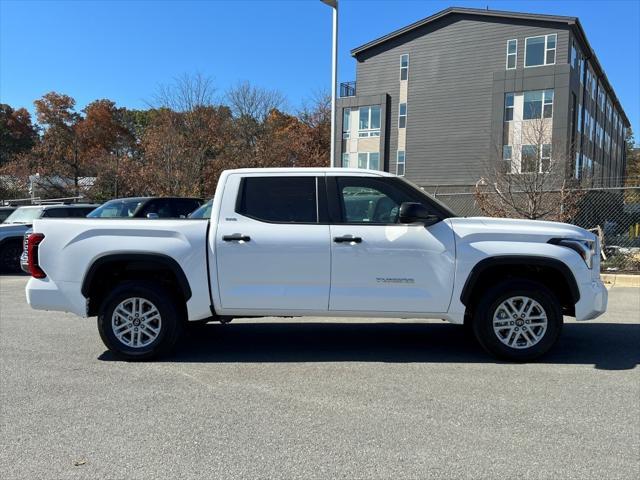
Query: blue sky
x=124 y=50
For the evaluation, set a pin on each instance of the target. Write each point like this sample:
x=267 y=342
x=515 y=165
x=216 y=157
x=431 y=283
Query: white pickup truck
x=317 y=242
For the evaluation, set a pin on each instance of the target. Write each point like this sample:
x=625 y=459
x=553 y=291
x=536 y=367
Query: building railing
x=348 y=89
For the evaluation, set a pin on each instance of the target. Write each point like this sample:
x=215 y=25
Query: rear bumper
x=44 y=294
x=593 y=300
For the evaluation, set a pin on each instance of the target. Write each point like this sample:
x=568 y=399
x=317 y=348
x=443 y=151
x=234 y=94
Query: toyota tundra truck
x=317 y=242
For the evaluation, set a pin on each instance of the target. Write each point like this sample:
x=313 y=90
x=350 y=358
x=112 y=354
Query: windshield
x=202 y=212
x=116 y=209
x=24 y=215
x=450 y=213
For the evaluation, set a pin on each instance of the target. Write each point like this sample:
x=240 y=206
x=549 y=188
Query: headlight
x=587 y=249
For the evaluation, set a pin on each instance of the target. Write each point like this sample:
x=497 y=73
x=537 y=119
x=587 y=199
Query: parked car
x=5 y=211
x=147 y=207
x=318 y=242
x=13 y=228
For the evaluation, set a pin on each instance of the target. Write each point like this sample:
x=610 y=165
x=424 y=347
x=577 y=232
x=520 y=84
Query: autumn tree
x=104 y=143
x=187 y=137
x=17 y=133
x=632 y=152
x=250 y=106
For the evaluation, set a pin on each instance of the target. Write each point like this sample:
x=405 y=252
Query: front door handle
x=236 y=237
x=347 y=238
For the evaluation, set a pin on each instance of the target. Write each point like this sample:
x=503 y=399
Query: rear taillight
x=33 y=241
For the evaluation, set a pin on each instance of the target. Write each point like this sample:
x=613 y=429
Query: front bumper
x=593 y=300
x=44 y=294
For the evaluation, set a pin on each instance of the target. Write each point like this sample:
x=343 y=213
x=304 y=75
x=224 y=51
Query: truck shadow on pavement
x=607 y=346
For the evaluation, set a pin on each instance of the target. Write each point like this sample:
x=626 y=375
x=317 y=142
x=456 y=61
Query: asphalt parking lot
x=328 y=398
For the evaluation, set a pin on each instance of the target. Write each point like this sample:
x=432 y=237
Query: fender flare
x=159 y=259
x=504 y=260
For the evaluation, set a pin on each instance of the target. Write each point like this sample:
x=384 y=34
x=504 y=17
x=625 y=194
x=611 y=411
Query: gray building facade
x=442 y=100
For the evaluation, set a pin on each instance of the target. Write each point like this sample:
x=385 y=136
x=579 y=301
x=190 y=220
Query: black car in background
x=147 y=207
x=15 y=225
x=5 y=211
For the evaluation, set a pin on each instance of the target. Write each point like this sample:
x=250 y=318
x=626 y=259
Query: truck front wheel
x=139 y=321
x=518 y=320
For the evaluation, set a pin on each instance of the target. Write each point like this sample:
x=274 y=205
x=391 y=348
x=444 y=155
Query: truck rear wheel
x=518 y=320
x=139 y=321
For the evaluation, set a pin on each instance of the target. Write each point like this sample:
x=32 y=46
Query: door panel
x=269 y=265
x=389 y=266
x=395 y=268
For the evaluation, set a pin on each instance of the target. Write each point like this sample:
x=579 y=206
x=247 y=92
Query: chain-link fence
x=611 y=213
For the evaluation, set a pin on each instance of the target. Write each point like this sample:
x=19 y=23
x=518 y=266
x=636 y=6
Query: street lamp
x=334 y=76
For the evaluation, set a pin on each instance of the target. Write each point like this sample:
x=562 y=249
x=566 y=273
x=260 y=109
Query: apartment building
x=447 y=99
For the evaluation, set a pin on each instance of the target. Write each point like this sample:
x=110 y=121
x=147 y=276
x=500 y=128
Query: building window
x=507 y=156
x=346 y=123
x=512 y=54
x=580 y=118
x=599 y=134
x=400 y=163
x=535 y=159
x=545 y=158
x=538 y=104
x=508 y=107
x=369 y=160
x=345 y=160
x=601 y=98
x=529 y=159
x=369 y=123
x=540 y=50
x=578 y=171
x=574 y=110
x=402 y=115
x=574 y=56
x=404 y=67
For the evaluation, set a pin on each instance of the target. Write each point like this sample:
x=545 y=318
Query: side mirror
x=411 y=212
x=153 y=215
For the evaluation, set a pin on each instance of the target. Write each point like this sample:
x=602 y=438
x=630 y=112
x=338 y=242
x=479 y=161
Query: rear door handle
x=236 y=237
x=347 y=238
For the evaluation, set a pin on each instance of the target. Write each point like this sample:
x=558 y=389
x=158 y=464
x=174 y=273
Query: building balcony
x=348 y=89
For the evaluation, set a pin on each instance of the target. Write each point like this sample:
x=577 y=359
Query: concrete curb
x=620 y=280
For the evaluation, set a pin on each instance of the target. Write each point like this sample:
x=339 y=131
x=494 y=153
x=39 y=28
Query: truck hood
x=510 y=229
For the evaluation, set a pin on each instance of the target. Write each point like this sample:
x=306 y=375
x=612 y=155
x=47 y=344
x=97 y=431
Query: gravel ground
x=319 y=398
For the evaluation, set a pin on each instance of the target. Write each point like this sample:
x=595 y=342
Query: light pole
x=334 y=77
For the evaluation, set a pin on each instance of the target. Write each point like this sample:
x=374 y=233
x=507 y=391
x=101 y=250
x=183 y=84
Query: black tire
x=488 y=305
x=10 y=252
x=172 y=319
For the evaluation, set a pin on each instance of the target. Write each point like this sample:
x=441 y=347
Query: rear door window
x=279 y=199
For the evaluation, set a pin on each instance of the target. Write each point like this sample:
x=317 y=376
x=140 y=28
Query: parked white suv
x=317 y=242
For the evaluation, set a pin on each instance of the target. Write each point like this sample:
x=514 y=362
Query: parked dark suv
x=147 y=207
x=13 y=228
x=5 y=211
